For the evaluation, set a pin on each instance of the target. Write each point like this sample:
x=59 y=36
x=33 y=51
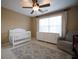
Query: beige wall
x=72 y=20
x=11 y=20
x=33 y=28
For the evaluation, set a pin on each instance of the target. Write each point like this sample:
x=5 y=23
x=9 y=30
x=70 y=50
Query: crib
x=18 y=35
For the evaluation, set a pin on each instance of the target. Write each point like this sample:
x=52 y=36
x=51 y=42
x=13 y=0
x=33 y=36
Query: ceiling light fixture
x=36 y=8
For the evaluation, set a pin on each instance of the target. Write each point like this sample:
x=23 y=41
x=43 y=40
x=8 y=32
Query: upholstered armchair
x=66 y=43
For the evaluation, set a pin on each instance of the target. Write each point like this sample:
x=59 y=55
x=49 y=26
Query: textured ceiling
x=15 y=5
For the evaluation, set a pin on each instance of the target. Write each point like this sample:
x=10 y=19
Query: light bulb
x=35 y=8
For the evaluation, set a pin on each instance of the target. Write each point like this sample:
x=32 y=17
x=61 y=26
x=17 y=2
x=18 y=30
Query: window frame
x=60 y=33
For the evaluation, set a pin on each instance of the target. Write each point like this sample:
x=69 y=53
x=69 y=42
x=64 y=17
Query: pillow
x=69 y=36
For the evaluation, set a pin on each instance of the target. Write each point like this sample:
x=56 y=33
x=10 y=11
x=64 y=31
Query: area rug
x=37 y=51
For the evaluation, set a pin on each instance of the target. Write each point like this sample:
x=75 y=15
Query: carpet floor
x=37 y=51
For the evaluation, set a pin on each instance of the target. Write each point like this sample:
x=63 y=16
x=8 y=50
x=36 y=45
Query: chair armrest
x=61 y=38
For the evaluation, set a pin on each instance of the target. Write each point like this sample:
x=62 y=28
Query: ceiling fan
x=36 y=6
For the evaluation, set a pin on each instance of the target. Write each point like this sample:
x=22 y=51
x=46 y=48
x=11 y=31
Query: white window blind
x=51 y=24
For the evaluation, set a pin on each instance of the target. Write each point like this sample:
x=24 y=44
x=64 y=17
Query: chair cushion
x=64 y=42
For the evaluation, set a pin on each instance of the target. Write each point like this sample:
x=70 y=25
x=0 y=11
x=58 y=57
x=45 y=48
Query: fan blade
x=34 y=1
x=42 y=10
x=45 y=5
x=32 y=11
x=26 y=7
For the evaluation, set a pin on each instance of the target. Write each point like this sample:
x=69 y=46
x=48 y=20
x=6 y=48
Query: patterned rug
x=36 y=51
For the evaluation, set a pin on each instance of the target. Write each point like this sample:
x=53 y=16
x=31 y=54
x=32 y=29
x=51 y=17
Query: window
x=51 y=24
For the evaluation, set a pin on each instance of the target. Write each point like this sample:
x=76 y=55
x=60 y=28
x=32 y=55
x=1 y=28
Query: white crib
x=17 y=36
